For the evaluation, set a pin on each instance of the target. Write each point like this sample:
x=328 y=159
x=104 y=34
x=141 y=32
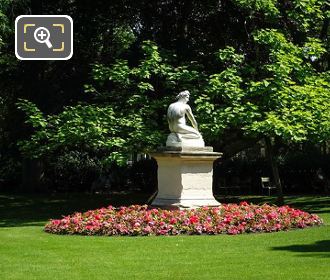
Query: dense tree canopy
x=256 y=69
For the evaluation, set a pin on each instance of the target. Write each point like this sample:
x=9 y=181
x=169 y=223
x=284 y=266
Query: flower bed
x=226 y=219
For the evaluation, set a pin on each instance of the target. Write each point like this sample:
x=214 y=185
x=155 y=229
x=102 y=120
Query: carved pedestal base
x=185 y=177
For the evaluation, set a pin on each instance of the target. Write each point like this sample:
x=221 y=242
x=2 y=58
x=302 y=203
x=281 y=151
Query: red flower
x=193 y=219
x=227 y=219
x=97 y=217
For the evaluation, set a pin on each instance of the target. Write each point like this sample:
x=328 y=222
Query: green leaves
x=313 y=49
x=285 y=96
x=289 y=100
x=307 y=13
x=228 y=55
x=37 y=118
x=304 y=15
x=268 y=7
x=296 y=103
x=88 y=126
x=143 y=86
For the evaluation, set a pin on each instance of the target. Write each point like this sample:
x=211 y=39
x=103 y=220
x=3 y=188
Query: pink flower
x=147 y=229
x=228 y=218
x=173 y=221
x=243 y=203
x=233 y=231
x=154 y=211
x=56 y=222
x=272 y=215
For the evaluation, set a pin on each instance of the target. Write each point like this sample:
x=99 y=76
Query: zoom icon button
x=43 y=37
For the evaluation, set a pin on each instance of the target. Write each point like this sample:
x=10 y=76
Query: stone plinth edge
x=185 y=149
x=205 y=153
x=184 y=203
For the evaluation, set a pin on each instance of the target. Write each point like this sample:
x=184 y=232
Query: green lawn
x=26 y=252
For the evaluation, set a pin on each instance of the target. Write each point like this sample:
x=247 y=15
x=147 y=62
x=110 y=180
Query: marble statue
x=185 y=165
x=182 y=135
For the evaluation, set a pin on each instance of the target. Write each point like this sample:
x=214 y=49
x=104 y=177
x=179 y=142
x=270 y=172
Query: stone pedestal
x=185 y=177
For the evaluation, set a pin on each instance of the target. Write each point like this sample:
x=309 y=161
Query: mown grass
x=26 y=252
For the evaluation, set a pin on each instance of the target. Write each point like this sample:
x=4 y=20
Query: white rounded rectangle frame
x=46 y=58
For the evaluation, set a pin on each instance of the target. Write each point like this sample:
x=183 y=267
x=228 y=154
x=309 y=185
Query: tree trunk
x=324 y=30
x=32 y=173
x=276 y=174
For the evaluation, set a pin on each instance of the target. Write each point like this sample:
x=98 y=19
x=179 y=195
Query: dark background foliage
x=186 y=33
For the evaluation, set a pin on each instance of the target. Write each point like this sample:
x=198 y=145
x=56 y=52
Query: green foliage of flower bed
x=140 y=220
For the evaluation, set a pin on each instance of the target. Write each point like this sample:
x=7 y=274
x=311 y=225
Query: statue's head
x=183 y=95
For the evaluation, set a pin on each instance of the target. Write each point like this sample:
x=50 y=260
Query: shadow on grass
x=318 y=249
x=317 y=205
x=309 y=203
x=36 y=209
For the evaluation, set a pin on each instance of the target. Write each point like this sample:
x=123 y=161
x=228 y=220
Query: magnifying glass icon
x=41 y=35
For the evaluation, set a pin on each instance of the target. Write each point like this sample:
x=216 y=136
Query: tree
x=287 y=102
x=129 y=118
x=238 y=100
x=100 y=31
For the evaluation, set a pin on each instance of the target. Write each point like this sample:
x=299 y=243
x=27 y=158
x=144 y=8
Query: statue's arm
x=191 y=117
